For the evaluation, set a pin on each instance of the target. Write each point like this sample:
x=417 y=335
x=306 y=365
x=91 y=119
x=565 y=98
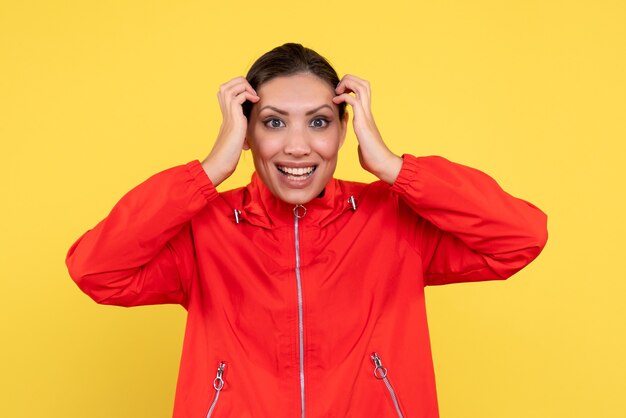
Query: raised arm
x=142 y=252
x=468 y=229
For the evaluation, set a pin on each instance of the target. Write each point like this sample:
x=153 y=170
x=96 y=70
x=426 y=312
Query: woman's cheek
x=329 y=145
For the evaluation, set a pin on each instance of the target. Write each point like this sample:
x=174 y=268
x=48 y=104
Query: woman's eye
x=274 y=123
x=319 y=123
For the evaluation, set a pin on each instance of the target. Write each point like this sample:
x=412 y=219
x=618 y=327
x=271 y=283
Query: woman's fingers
x=224 y=156
x=246 y=95
x=232 y=95
x=374 y=155
x=350 y=79
x=360 y=88
x=355 y=84
x=237 y=82
x=357 y=106
x=233 y=89
x=345 y=97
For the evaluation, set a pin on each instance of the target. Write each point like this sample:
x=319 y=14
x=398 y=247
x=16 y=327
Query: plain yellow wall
x=95 y=96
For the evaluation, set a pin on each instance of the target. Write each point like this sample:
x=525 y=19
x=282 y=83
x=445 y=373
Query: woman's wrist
x=390 y=169
x=212 y=170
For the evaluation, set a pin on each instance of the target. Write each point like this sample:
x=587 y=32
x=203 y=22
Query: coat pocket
x=218 y=385
x=380 y=373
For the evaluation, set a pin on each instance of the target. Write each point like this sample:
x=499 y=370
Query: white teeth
x=296 y=171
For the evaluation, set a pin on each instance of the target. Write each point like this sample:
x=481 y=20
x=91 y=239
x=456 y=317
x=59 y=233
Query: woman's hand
x=374 y=155
x=223 y=158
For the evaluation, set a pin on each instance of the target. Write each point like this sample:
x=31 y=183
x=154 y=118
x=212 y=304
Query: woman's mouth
x=296 y=173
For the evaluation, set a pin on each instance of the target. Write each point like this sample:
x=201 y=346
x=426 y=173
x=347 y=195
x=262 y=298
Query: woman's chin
x=298 y=196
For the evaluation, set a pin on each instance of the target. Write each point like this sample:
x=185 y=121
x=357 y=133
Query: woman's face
x=295 y=133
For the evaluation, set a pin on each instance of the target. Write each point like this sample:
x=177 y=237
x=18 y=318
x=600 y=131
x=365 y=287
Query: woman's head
x=295 y=130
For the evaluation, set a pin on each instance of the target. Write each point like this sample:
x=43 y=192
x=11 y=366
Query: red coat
x=286 y=313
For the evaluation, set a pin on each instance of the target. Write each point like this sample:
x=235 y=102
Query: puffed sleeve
x=142 y=252
x=468 y=228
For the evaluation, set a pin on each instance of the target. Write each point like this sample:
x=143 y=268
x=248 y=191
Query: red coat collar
x=262 y=208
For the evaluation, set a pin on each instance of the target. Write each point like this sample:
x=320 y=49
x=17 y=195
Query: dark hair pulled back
x=290 y=59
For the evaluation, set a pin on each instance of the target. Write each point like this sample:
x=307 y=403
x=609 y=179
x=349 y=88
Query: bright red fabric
x=174 y=239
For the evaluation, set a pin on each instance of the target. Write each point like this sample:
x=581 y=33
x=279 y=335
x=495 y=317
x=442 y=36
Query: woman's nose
x=297 y=143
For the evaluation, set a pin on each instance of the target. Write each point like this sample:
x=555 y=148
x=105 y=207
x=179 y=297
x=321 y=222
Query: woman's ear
x=344 y=127
x=246 y=145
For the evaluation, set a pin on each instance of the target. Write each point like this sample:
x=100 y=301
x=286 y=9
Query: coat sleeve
x=142 y=253
x=468 y=228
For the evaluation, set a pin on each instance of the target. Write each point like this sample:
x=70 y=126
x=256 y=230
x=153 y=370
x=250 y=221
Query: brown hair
x=289 y=59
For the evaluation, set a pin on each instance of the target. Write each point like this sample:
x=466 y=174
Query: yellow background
x=95 y=96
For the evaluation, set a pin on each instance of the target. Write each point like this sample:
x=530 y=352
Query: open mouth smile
x=297 y=173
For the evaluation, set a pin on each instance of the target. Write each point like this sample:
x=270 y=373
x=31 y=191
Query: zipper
x=380 y=373
x=218 y=384
x=299 y=211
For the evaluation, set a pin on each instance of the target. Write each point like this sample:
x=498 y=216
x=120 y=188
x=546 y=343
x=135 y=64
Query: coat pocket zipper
x=380 y=373
x=218 y=384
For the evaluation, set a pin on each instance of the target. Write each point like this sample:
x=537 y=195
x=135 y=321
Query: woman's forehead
x=299 y=93
x=294 y=86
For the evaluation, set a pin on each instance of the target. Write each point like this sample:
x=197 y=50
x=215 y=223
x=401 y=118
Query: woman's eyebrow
x=284 y=112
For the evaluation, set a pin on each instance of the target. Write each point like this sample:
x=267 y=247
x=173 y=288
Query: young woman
x=305 y=294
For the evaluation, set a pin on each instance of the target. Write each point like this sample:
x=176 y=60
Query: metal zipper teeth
x=393 y=397
x=217 y=395
x=382 y=375
x=218 y=384
x=300 y=320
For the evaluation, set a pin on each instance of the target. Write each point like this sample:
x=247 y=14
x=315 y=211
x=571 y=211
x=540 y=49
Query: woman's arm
x=142 y=252
x=468 y=228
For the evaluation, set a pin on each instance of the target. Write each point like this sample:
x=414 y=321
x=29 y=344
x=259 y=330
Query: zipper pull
x=352 y=202
x=218 y=383
x=299 y=211
x=380 y=372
